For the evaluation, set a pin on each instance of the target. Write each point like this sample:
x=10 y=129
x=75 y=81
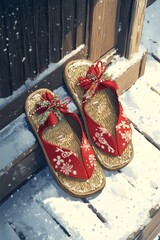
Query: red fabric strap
x=63 y=160
x=93 y=82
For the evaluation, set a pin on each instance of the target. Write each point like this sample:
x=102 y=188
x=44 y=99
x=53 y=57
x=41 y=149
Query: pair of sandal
x=71 y=155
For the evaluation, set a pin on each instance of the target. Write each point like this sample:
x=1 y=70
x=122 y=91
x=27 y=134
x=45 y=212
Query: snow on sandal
x=107 y=128
x=70 y=157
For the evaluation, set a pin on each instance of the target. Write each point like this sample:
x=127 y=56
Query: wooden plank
x=120 y=203
x=5 y=85
x=23 y=167
x=128 y=78
x=136 y=26
x=52 y=80
x=81 y=14
x=29 y=38
x=55 y=35
x=7 y=232
x=68 y=26
x=40 y=12
x=145 y=116
x=31 y=221
x=123 y=25
x=144 y=177
x=75 y=216
x=133 y=202
x=103 y=22
x=15 y=40
x=152 y=229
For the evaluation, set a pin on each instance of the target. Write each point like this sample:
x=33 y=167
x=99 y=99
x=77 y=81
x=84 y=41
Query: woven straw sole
x=63 y=135
x=102 y=108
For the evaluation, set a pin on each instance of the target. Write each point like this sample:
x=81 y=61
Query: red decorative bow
x=49 y=108
x=95 y=80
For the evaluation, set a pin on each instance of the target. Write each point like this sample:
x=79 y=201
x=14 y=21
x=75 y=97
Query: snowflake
x=58 y=160
x=66 y=168
x=104 y=131
x=122 y=124
x=85 y=146
x=92 y=159
x=127 y=136
x=102 y=140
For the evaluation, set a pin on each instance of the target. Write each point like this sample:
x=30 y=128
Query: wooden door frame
x=129 y=19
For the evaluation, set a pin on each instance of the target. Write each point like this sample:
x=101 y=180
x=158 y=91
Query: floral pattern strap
x=94 y=81
x=63 y=160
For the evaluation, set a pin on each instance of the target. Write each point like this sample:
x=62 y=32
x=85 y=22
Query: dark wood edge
x=154 y=211
x=150 y=2
x=51 y=81
x=87 y=33
x=155 y=57
x=124 y=19
x=143 y=65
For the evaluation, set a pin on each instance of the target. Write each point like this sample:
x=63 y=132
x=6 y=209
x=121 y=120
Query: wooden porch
x=34 y=207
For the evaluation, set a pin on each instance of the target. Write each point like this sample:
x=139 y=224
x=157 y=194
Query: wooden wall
x=34 y=33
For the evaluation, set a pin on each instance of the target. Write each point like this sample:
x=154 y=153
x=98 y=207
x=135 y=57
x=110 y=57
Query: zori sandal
x=107 y=128
x=67 y=150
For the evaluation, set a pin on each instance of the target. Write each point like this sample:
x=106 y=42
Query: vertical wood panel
x=124 y=25
x=136 y=26
x=35 y=33
x=5 y=87
x=87 y=27
x=15 y=38
x=54 y=21
x=41 y=32
x=81 y=14
x=27 y=21
x=68 y=26
x=103 y=27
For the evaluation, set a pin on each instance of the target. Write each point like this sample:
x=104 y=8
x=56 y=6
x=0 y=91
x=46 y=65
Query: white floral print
x=100 y=140
x=85 y=146
x=127 y=136
x=67 y=168
x=123 y=125
x=58 y=160
x=92 y=159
